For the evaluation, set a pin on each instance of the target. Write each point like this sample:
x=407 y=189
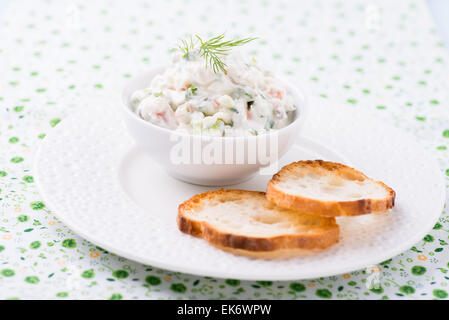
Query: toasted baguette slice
x=328 y=189
x=245 y=222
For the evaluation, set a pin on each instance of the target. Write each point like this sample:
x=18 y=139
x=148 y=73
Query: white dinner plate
x=107 y=191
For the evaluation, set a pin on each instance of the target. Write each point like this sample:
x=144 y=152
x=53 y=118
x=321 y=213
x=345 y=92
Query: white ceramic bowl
x=167 y=146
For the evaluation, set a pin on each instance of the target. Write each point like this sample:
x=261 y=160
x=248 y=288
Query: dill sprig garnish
x=186 y=46
x=211 y=49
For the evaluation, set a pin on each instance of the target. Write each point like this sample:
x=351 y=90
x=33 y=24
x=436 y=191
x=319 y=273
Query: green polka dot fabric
x=58 y=56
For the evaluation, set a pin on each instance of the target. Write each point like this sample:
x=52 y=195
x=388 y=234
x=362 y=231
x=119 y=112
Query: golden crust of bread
x=327 y=208
x=282 y=254
x=287 y=245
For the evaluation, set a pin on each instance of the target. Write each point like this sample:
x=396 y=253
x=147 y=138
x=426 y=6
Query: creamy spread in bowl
x=191 y=97
x=212 y=117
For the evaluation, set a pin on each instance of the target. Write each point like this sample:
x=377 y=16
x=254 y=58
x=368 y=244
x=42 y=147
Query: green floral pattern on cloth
x=58 y=55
